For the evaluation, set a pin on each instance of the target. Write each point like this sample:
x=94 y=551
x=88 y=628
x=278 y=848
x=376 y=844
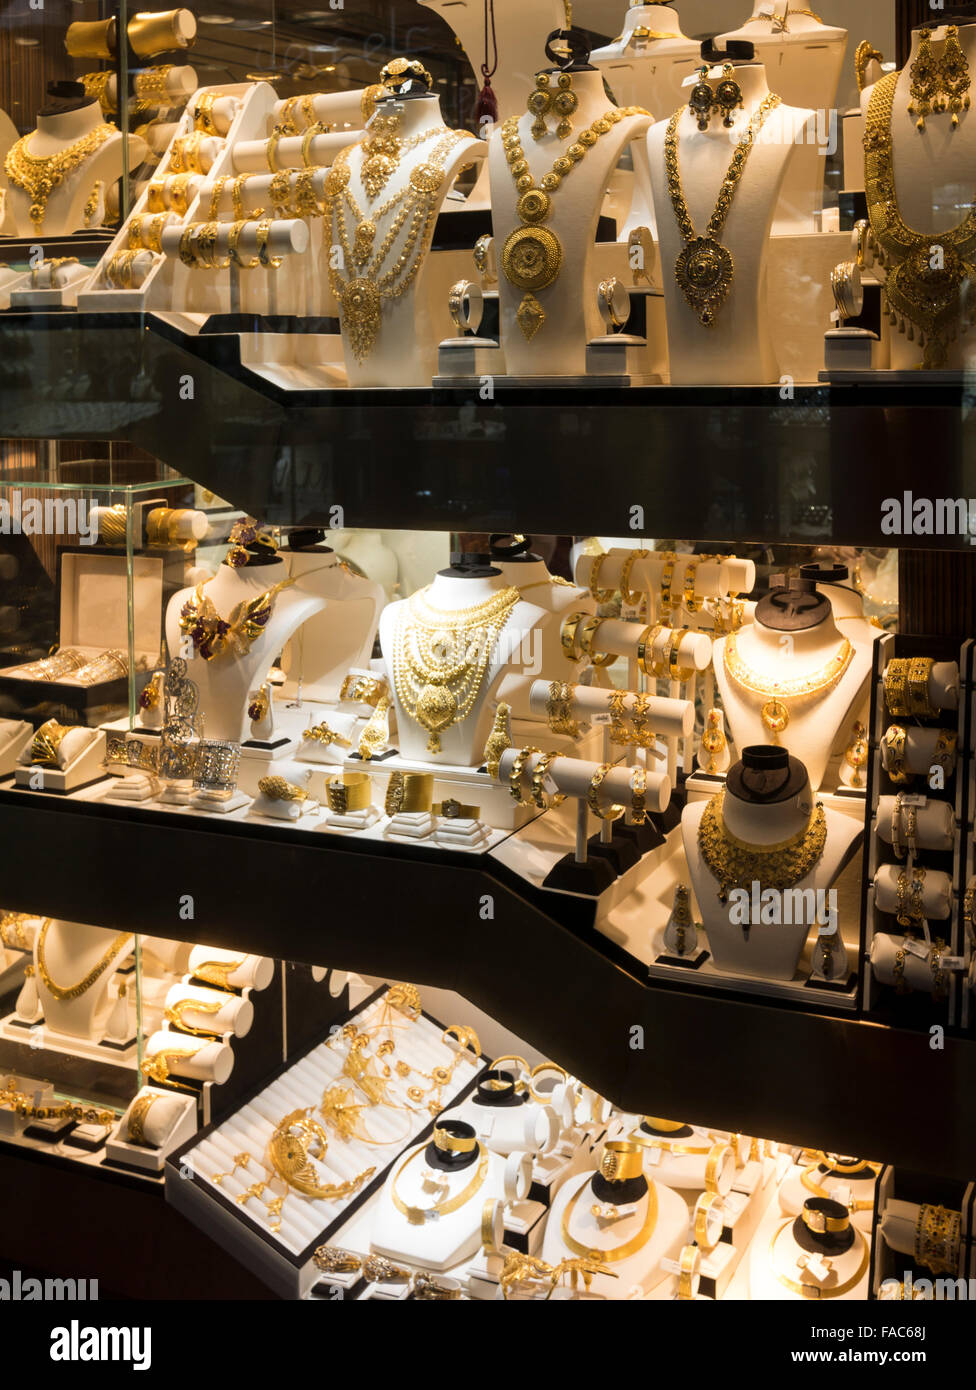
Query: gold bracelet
x=568 y=636
x=628 y=595
x=46 y=743
x=937 y=1232
x=203 y=114
x=708 y=1215
x=642 y=737
x=645 y=650
x=617 y=709
x=233 y=240
x=322 y=733
x=638 y=792
x=690 y=603
x=558 y=713
x=237 y=199
x=410 y=793
x=136 y=1123
x=895 y=685
x=515 y=776
x=280 y=789
x=152 y=91
x=455 y=810
x=600 y=595
x=311 y=132
x=893 y=748
x=820 y=1223
x=538 y=792
x=689 y=1262
x=350 y=792
x=363 y=690
x=586 y=634
x=610 y=813
x=118 y=272
x=666 y=602
x=185 y=154
x=213 y=212
x=676 y=672
x=945 y=750
x=453 y=1143
x=940 y=977
x=714 y=1167
x=271 y=149
x=262 y=238
x=919 y=700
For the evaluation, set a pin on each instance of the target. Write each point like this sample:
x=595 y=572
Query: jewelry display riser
x=85 y=770
x=162 y=286
x=283 y=1261
x=12 y=965
x=755 y=1280
x=901 y=1185
x=968 y=833
x=753 y=1194
x=124 y=1153
x=916 y=1009
x=106 y=1073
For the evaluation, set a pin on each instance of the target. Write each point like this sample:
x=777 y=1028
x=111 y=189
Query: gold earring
x=565 y=104
x=925 y=79
x=954 y=69
x=702 y=99
x=540 y=104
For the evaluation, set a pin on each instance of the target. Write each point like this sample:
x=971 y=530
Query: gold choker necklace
x=39 y=175
x=774 y=714
x=705 y=268
x=417 y=1216
x=213 y=635
x=65 y=992
x=736 y=864
x=926 y=298
x=440 y=658
x=620 y=1252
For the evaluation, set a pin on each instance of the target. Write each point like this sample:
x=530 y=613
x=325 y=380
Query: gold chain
x=704 y=270
x=736 y=864
x=774 y=714
x=927 y=298
x=39 y=175
x=63 y=992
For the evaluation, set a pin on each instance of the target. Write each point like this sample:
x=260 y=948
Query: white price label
x=953 y=962
x=670 y=1266
x=653 y=1157
x=818 y=1268
x=549 y=783
x=917 y=948
x=602 y=718
x=914 y=800
x=629 y=612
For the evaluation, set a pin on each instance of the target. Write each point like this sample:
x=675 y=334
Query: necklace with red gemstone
x=213 y=635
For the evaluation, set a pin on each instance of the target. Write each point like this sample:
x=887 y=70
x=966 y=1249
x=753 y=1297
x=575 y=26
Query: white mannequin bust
x=462 y=744
x=780 y=1264
x=927 y=165
x=65 y=208
x=570 y=303
x=404 y=350
x=340 y=635
x=764 y=805
x=737 y=347
x=226 y=681
x=776 y=657
x=648 y=69
x=68 y=952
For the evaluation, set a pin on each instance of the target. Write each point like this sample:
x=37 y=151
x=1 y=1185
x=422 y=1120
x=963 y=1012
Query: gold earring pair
x=939 y=84
x=563 y=102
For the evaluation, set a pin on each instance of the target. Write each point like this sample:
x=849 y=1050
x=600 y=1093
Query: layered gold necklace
x=705 y=269
x=75 y=991
x=774 y=713
x=39 y=175
x=368 y=281
x=532 y=256
x=440 y=658
x=736 y=864
x=920 y=289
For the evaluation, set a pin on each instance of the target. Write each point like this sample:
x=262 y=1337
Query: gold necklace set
x=775 y=714
x=368 y=279
x=705 y=269
x=440 y=658
x=736 y=864
x=920 y=290
x=39 y=175
x=532 y=256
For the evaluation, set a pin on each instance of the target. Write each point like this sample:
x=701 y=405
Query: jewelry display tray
x=284 y=1261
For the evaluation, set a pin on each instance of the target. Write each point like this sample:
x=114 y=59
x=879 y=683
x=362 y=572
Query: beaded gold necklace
x=738 y=865
x=39 y=175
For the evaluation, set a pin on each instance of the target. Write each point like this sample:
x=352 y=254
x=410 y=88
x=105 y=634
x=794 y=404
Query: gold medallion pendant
x=532 y=258
x=436 y=711
x=361 y=314
x=704 y=272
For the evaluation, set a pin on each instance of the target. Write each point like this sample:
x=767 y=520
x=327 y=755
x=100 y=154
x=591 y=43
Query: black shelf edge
x=717 y=463
x=738 y=1063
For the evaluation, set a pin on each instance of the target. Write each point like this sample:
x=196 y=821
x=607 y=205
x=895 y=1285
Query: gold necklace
x=705 y=269
x=915 y=292
x=213 y=635
x=440 y=658
x=383 y=149
x=809 y=1180
x=360 y=296
x=532 y=256
x=738 y=865
x=780 y=23
x=63 y=992
x=620 y=1252
x=39 y=175
x=418 y=1215
x=813 y=1290
x=774 y=714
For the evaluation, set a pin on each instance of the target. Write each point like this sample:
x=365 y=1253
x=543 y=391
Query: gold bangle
x=213 y=212
x=185 y=154
x=203 y=118
x=714 y=1167
x=586 y=634
x=621 y=1161
x=689 y=1262
x=136 y=1123
x=600 y=595
x=628 y=595
x=667 y=575
x=363 y=690
x=280 y=789
x=409 y=793
x=945 y=750
x=707 y=1208
x=455 y=1144
x=317 y=128
x=820 y=1223
x=895 y=684
x=271 y=149
x=455 y=810
x=937 y=1232
x=610 y=813
x=488 y=1226
x=515 y=776
x=690 y=603
x=568 y=636
x=233 y=241
x=46 y=743
x=179 y=191
x=558 y=712
x=262 y=239
x=893 y=743
x=645 y=650
x=537 y=790
x=919 y=700
x=350 y=792
x=638 y=792
x=676 y=672
x=237 y=199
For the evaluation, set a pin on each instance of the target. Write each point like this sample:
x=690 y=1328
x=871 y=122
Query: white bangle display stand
x=234 y=1012
x=169 y=1122
x=250 y=972
x=81 y=755
x=16 y=736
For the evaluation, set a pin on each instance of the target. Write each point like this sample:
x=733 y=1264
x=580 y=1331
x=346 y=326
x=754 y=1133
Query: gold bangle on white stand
x=614 y=302
x=466 y=303
x=484 y=259
x=709 y=1221
x=845 y=281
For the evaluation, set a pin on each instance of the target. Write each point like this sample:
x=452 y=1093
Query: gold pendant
x=361 y=308
x=530 y=316
x=704 y=272
x=376 y=170
x=532 y=258
x=363 y=245
x=436 y=709
x=775 y=717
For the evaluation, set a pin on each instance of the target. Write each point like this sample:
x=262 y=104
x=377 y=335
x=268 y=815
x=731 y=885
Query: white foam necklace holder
x=71 y=950
x=781 y=1268
x=462 y=745
x=648 y=62
x=769 y=952
x=926 y=163
x=225 y=681
x=16 y=736
x=737 y=348
x=558 y=348
x=339 y=637
x=405 y=350
x=532 y=579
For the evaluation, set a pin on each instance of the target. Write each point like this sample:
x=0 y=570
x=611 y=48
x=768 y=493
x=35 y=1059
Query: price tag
x=670 y=1266
x=953 y=962
x=818 y=1267
x=549 y=783
x=603 y=718
x=653 y=1157
x=914 y=800
x=38 y=1098
x=917 y=948
x=841 y=1193
x=629 y=612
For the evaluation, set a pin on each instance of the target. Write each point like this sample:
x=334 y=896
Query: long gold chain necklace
x=39 y=175
x=705 y=268
x=736 y=864
x=417 y=1216
x=620 y=1252
x=440 y=658
x=920 y=289
x=213 y=635
x=774 y=714
x=814 y=1291
x=360 y=296
x=63 y=992
x=532 y=256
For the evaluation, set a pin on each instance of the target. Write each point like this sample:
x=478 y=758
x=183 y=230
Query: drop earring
x=540 y=104
x=702 y=99
x=728 y=95
x=565 y=104
x=954 y=95
x=924 y=79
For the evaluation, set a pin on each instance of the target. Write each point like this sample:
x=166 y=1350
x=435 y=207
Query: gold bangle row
x=145 y=233
x=906 y=688
x=170 y=194
x=186 y=154
x=409 y=793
